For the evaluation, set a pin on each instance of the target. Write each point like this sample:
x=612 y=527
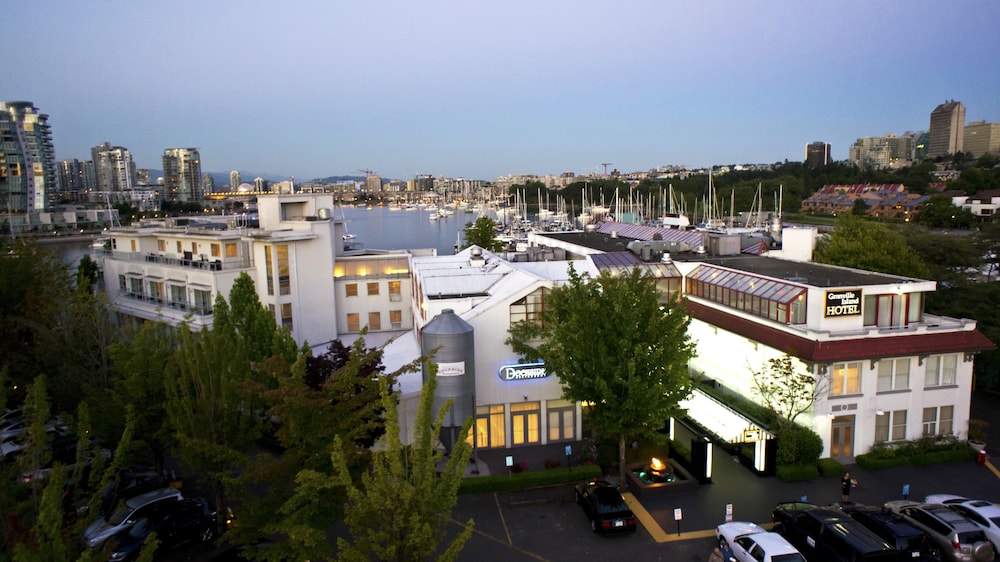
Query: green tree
x=631 y=367
x=859 y=209
x=784 y=390
x=940 y=212
x=245 y=318
x=401 y=507
x=951 y=260
x=863 y=244
x=483 y=233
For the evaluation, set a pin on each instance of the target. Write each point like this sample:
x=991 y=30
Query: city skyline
x=449 y=88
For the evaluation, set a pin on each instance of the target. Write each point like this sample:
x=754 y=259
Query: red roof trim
x=842 y=350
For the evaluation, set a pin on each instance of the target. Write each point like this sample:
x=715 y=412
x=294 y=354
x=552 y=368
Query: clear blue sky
x=482 y=89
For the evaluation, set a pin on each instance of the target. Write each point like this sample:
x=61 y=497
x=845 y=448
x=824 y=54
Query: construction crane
x=367 y=172
x=605 y=164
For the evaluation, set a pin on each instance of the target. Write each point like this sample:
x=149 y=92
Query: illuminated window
x=161 y=245
x=372 y=288
x=133 y=244
x=941 y=370
x=286 y=315
x=180 y=249
x=525 y=423
x=353 y=322
x=269 y=268
x=351 y=289
x=529 y=308
x=489 y=428
x=396 y=319
x=231 y=249
x=284 y=279
x=374 y=321
x=216 y=250
x=893 y=374
x=846 y=379
x=395 y=291
x=194 y=247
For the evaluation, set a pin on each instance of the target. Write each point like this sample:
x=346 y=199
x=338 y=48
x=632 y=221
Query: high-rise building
x=259 y=185
x=982 y=137
x=114 y=168
x=71 y=178
x=182 y=175
x=947 y=129
x=208 y=183
x=28 y=175
x=880 y=152
x=234 y=180
x=817 y=154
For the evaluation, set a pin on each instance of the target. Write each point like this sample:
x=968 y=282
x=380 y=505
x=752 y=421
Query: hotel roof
x=808 y=273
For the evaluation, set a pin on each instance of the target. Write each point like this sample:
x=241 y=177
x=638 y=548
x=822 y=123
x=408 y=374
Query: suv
x=132 y=510
x=829 y=535
x=893 y=528
x=958 y=539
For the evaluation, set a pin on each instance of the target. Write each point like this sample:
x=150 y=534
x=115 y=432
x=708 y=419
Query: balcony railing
x=175 y=305
x=196 y=262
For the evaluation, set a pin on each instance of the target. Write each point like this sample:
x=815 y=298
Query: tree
x=483 y=233
x=859 y=209
x=785 y=391
x=871 y=246
x=951 y=260
x=940 y=212
x=245 y=318
x=630 y=368
x=402 y=505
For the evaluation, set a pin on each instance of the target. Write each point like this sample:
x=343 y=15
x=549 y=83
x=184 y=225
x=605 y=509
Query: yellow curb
x=992 y=468
x=661 y=536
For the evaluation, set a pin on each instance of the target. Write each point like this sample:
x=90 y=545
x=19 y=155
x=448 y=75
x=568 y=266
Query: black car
x=605 y=507
x=825 y=534
x=175 y=524
x=911 y=541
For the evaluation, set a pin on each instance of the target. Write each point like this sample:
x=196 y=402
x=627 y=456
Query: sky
x=480 y=90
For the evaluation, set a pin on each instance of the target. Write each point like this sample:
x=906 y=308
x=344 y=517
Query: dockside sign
x=523 y=371
x=845 y=302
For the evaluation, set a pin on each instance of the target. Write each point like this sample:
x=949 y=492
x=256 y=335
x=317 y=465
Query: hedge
x=796 y=472
x=528 y=479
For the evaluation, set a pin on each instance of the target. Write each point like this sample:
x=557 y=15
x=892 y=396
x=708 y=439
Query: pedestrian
x=845 y=487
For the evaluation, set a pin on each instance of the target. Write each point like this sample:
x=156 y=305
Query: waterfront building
x=182 y=175
x=817 y=154
x=947 y=129
x=114 y=168
x=71 y=178
x=982 y=138
x=28 y=176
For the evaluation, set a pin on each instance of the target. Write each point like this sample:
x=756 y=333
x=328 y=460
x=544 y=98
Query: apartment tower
x=817 y=154
x=182 y=175
x=114 y=168
x=947 y=129
x=28 y=170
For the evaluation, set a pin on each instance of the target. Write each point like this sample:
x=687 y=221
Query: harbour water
x=378 y=228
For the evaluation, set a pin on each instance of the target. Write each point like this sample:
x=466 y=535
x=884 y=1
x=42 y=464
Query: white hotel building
x=888 y=371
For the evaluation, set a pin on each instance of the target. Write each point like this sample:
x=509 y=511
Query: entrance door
x=842 y=438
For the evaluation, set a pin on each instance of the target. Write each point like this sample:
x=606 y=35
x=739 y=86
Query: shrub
x=798 y=445
x=518 y=467
x=530 y=479
x=551 y=463
x=918 y=452
x=796 y=472
x=830 y=467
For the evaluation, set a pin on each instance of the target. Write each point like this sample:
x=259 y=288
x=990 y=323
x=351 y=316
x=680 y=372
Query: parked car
x=122 y=518
x=132 y=481
x=751 y=543
x=605 y=507
x=893 y=528
x=825 y=534
x=958 y=538
x=175 y=524
x=984 y=513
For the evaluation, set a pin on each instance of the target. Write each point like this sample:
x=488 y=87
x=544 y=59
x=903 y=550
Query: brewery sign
x=523 y=371
x=845 y=302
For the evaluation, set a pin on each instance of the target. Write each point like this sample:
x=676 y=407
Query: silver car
x=958 y=539
x=133 y=509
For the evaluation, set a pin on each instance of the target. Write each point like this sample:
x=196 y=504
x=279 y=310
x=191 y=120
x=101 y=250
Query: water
x=378 y=228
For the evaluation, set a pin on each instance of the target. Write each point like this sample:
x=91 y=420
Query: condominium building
x=28 y=176
x=234 y=180
x=182 y=175
x=947 y=129
x=817 y=154
x=982 y=137
x=114 y=168
x=881 y=152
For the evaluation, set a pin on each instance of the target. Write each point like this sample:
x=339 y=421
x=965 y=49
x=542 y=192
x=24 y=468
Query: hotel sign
x=523 y=371
x=845 y=302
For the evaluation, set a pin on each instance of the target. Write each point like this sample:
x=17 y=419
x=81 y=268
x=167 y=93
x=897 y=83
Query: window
x=893 y=374
x=284 y=280
x=893 y=310
x=395 y=291
x=122 y=284
x=180 y=249
x=562 y=420
x=161 y=245
x=231 y=249
x=194 y=247
x=489 y=429
x=396 y=319
x=941 y=370
x=529 y=308
x=202 y=301
x=374 y=321
x=269 y=268
x=351 y=289
x=353 y=322
x=846 y=379
x=286 y=315
x=216 y=250
x=890 y=426
x=372 y=288
x=525 y=418
x=178 y=298
x=156 y=291
x=938 y=421
x=135 y=286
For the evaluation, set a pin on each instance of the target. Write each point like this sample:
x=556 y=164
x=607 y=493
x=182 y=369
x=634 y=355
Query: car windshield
x=141 y=528
x=793 y=557
x=118 y=515
x=995 y=521
x=969 y=537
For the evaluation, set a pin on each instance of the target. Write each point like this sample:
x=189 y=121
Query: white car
x=984 y=513
x=752 y=543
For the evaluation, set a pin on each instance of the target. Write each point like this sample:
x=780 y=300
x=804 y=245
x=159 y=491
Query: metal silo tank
x=454 y=341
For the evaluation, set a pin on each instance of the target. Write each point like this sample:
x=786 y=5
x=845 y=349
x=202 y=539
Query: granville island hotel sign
x=845 y=302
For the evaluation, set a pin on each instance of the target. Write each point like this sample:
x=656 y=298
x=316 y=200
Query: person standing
x=845 y=487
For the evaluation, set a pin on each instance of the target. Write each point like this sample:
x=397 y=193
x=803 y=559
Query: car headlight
x=115 y=556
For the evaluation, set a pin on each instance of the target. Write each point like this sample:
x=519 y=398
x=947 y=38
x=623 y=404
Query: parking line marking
x=661 y=536
x=992 y=468
x=502 y=520
x=488 y=536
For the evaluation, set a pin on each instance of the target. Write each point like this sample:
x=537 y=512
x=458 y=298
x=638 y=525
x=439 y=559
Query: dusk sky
x=480 y=90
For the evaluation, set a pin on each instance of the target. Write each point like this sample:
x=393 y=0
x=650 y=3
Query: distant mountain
x=222 y=178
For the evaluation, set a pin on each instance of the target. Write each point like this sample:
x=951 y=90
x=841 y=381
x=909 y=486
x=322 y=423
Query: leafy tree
x=863 y=244
x=859 y=209
x=87 y=273
x=940 y=212
x=784 y=390
x=401 y=507
x=630 y=368
x=951 y=260
x=36 y=454
x=245 y=318
x=987 y=241
x=483 y=233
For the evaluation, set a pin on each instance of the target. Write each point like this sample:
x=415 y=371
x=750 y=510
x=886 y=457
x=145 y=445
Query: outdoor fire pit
x=658 y=477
